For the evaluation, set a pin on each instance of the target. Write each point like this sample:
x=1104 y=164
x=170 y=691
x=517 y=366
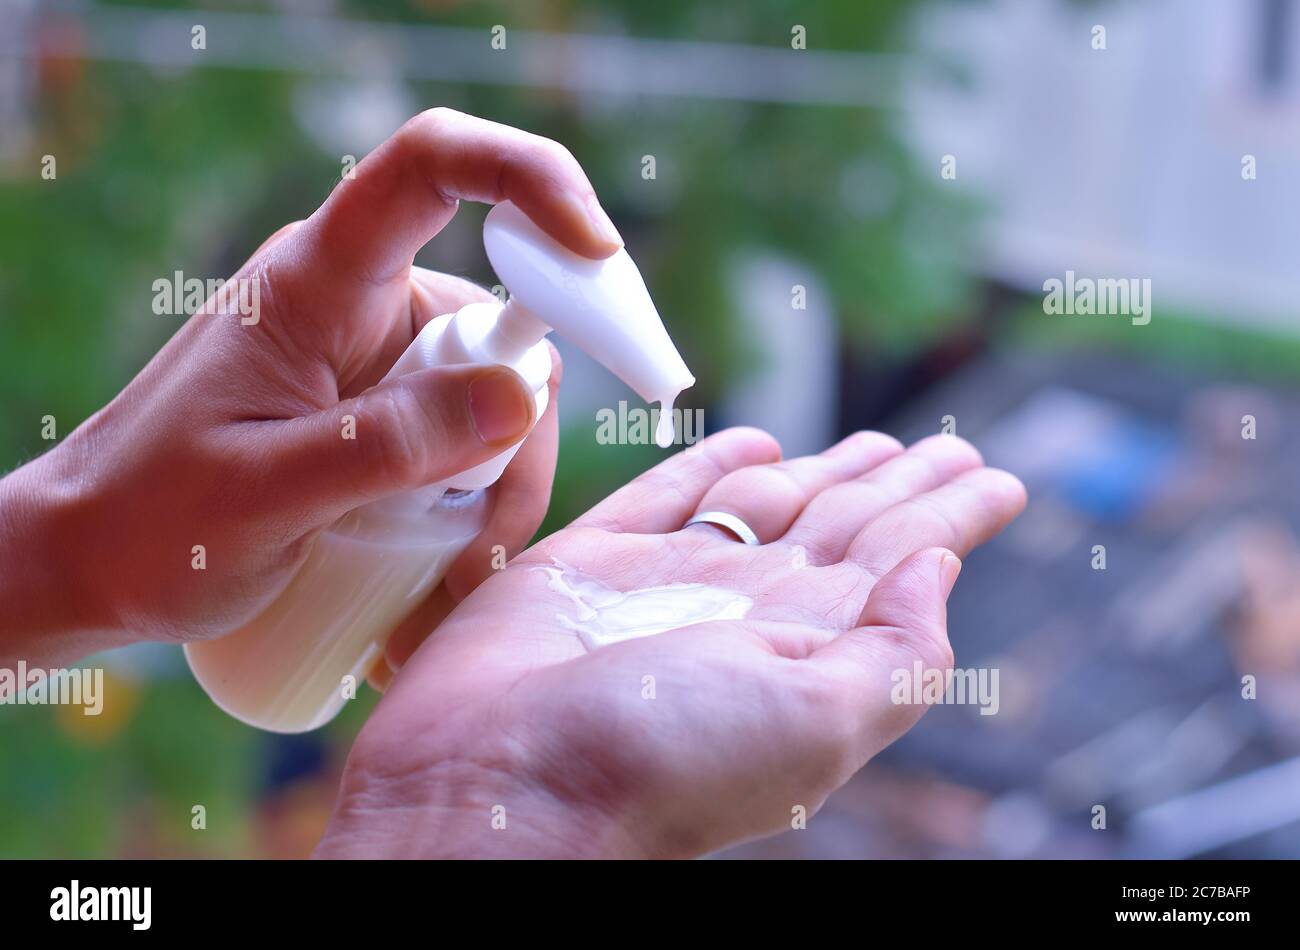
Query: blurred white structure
x=790 y=381
x=789 y=377
x=308 y=37
x=16 y=85
x=1127 y=161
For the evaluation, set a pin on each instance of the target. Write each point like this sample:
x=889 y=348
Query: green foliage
x=190 y=170
x=169 y=175
x=1183 y=339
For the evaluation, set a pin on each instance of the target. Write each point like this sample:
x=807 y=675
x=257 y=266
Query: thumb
x=905 y=621
x=914 y=595
x=414 y=430
x=906 y=613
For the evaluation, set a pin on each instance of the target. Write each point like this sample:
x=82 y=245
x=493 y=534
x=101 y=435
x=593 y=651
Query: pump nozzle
x=602 y=306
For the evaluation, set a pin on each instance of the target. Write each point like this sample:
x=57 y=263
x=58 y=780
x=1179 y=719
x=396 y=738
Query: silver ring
x=727 y=521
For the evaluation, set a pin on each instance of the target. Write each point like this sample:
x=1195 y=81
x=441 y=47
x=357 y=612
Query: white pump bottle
x=293 y=667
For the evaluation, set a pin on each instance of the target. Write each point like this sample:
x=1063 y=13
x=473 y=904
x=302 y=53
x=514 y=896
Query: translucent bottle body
x=293 y=667
x=288 y=669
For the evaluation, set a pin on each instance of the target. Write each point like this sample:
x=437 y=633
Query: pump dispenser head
x=364 y=573
x=602 y=306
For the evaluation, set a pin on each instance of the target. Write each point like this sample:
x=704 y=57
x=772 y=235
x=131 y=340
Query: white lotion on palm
x=294 y=666
x=603 y=615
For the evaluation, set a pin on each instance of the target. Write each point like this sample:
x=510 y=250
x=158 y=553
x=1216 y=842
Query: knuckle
x=939 y=650
x=554 y=152
x=557 y=364
x=752 y=433
x=1004 y=481
x=951 y=527
x=548 y=159
x=871 y=439
x=931 y=647
x=433 y=121
x=426 y=132
x=281 y=232
x=965 y=449
x=935 y=449
x=395 y=414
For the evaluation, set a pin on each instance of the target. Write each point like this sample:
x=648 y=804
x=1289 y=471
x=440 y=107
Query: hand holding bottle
x=184 y=506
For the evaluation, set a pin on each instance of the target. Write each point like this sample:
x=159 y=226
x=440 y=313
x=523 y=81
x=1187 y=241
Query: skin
x=231 y=438
x=503 y=708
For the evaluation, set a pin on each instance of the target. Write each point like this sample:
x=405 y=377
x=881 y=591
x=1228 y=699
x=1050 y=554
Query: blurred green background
x=173 y=159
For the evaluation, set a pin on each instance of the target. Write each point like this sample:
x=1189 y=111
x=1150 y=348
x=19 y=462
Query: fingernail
x=949 y=568
x=500 y=407
x=601 y=223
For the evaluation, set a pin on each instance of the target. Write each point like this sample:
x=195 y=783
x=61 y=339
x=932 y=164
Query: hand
x=503 y=706
x=232 y=437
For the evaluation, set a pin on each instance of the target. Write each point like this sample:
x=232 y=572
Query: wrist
x=456 y=808
x=49 y=607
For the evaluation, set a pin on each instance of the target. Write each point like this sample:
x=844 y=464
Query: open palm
x=504 y=734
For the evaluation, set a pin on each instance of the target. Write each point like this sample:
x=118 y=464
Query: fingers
x=430 y=295
x=769 y=497
x=282 y=232
x=959 y=515
x=413 y=631
x=834 y=518
x=380 y=675
x=662 y=499
x=519 y=503
x=520 y=499
x=913 y=597
x=420 y=428
x=406 y=191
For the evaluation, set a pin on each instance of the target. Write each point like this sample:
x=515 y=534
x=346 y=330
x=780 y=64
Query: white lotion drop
x=665 y=431
x=606 y=616
x=295 y=665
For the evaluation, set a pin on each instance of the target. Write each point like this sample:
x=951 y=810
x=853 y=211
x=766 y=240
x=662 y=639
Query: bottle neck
x=517 y=331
